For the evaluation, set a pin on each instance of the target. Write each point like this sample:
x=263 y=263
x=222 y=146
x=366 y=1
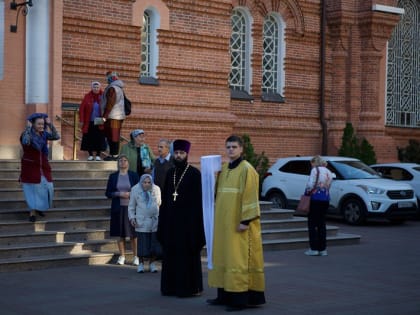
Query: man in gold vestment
x=238 y=264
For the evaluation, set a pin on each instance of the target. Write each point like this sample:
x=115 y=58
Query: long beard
x=181 y=164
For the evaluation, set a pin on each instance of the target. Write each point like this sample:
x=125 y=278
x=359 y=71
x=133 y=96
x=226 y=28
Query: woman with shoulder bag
x=317 y=187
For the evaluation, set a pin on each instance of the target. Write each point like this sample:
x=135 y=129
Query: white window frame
x=281 y=53
x=247 y=79
x=402 y=95
x=153 y=57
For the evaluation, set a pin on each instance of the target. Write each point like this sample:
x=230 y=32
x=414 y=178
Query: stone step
x=41 y=249
x=68 y=224
x=266 y=206
x=303 y=242
x=280 y=214
x=65 y=165
x=62 y=173
x=60 y=202
x=54 y=261
x=13 y=183
x=53 y=236
x=59 y=192
x=293 y=222
x=282 y=234
x=105 y=245
x=56 y=213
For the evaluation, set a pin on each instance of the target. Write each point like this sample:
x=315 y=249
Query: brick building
x=290 y=73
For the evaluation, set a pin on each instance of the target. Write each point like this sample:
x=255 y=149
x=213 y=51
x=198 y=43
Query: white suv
x=357 y=191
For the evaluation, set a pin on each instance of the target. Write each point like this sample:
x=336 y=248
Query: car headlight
x=372 y=190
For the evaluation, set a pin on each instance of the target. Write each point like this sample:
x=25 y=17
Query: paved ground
x=380 y=276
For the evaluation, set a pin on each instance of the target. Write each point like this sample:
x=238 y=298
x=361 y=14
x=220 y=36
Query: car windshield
x=352 y=170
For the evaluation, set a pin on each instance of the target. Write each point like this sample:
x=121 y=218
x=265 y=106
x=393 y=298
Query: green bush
x=258 y=161
x=411 y=153
x=352 y=146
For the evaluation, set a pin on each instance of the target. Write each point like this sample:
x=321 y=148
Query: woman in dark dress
x=118 y=189
x=91 y=122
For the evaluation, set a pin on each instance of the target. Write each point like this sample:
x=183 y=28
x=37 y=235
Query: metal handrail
x=76 y=137
x=76 y=129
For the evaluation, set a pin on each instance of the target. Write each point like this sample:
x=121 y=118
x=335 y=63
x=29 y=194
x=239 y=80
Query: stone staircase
x=76 y=230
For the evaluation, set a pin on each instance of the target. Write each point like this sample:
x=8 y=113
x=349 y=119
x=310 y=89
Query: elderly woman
x=112 y=103
x=35 y=173
x=143 y=212
x=91 y=122
x=317 y=187
x=118 y=189
x=139 y=153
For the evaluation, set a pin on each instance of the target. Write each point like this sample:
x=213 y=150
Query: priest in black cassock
x=181 y=228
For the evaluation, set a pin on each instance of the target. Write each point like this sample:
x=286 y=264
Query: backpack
x=127 y=106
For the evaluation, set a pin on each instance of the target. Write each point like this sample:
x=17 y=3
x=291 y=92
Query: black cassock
x=181 y=234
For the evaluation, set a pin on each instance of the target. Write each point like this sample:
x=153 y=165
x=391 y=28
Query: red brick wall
x=193 y=100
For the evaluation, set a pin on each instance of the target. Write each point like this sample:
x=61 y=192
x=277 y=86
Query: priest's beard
x=181 y=163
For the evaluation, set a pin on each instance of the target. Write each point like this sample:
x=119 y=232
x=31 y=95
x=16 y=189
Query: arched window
x=145 y=46
x=149 y=47
x=240 y=43
x=272 y=84
x=403 y=73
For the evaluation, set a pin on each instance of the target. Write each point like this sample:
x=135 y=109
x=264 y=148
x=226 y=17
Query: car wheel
x=353 y=211
x=278 y=199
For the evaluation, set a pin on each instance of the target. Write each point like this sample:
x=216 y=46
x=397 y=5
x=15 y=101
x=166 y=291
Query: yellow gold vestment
x=238 y=264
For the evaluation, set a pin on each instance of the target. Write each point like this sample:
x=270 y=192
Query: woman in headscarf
x=35 y=173
x=143 y=212
x=91 y=122
x=139 y=153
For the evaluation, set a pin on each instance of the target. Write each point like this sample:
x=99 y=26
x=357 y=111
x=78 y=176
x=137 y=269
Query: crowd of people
x=157 y=203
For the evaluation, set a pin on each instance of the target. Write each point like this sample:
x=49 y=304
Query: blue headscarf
x=38 y=141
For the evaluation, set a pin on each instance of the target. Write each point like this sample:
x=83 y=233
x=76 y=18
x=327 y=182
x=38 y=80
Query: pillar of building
x=339 y=101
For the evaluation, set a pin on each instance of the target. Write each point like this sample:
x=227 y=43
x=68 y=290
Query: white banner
x=210 y=165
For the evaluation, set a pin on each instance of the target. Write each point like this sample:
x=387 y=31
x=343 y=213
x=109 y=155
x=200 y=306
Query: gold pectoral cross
x=175 y=194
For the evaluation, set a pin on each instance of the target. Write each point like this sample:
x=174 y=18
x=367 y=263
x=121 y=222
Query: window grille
x=145 y=46
x=270 y=55
x=237 y=77
x=403 y=69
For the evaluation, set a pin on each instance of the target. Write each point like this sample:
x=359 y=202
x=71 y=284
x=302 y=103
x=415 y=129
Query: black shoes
x=32 y=218
x=229 y=308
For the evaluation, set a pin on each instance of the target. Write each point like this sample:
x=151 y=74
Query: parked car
x=404 y=172
x=357 y=192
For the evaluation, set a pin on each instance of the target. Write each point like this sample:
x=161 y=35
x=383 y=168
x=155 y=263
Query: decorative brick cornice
x=288 y=8
x=213 y=7
x=376 y=29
